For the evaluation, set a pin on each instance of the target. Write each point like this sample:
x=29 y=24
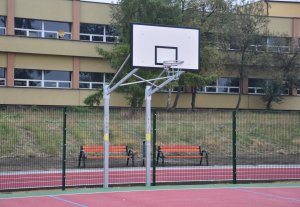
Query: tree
x=94 y=99
x=146 y=11
x=273 y=89
x=244 y=32
x=195 y=82
x=284 y=66
x=288 y=64
x=209 y=16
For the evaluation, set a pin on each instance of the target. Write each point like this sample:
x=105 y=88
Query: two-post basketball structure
x=170 y=49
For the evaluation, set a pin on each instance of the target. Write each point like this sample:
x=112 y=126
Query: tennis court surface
x=274 y=195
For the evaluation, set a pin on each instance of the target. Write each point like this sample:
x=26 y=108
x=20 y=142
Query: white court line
x=67 y=201
x=277 y=197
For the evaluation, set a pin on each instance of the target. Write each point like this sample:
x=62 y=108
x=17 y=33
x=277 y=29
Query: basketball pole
x=149 y=90
x=106 y=97
x=148 y=94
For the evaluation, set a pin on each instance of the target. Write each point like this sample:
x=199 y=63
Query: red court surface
x=270 y=195
x=85 y=177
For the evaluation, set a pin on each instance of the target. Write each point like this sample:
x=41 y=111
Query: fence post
x=64 y=148
x=154 y=148
x=234 y=147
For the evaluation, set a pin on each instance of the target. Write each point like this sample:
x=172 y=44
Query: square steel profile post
x=234 y=147
x=64 y=152
x=148 y=134
x=106 y=97
x=154 y=147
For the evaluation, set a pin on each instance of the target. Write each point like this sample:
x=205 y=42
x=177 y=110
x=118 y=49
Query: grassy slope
x=39 y=132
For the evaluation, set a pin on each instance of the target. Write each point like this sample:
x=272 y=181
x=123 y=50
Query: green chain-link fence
x=41 y=146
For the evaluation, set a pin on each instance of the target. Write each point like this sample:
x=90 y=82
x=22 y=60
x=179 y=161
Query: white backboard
x=153 y=44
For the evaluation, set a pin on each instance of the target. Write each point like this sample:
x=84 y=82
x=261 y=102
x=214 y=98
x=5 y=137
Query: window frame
x=104 y=36
x=3 y=28
x=278 y=48
x=42 y=82
x=256 y=89
x=92 y=83
x=217 y=88
x=42 y=32
x=269 y=45
x=3 y=79
x=174 y=89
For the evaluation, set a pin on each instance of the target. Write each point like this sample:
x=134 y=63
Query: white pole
x=148 y=134
x=106 y=97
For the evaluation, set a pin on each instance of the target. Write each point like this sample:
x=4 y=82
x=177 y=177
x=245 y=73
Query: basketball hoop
x=174 y=64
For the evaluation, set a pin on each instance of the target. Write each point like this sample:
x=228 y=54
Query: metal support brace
x=123 y=80
x=174 y=77
x=120 y=69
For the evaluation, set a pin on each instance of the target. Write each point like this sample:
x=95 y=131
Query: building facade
x=48 y=56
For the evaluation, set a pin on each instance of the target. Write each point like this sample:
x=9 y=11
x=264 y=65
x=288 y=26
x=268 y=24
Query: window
x=97 y=33
x=258 y=43
x=91 y=80
x=222 y=85
x=173 y=89
x=256 y=86
x=53 y=28
x=57 y=79
x=2 y=25
x=42 y=28
x=278 y=44
x=2 y=77
x=42 y=78
x=298 y=87
x=234 y=43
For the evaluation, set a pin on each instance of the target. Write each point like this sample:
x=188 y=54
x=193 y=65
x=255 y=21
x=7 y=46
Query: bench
x=181 y=152
x=97 y=152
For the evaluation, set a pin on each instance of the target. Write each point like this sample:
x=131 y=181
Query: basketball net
x=172 y=67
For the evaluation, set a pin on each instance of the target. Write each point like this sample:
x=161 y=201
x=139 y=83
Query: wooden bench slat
x=180 y=150
x=179 y=147
x=110 y=156
x=183 y=156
